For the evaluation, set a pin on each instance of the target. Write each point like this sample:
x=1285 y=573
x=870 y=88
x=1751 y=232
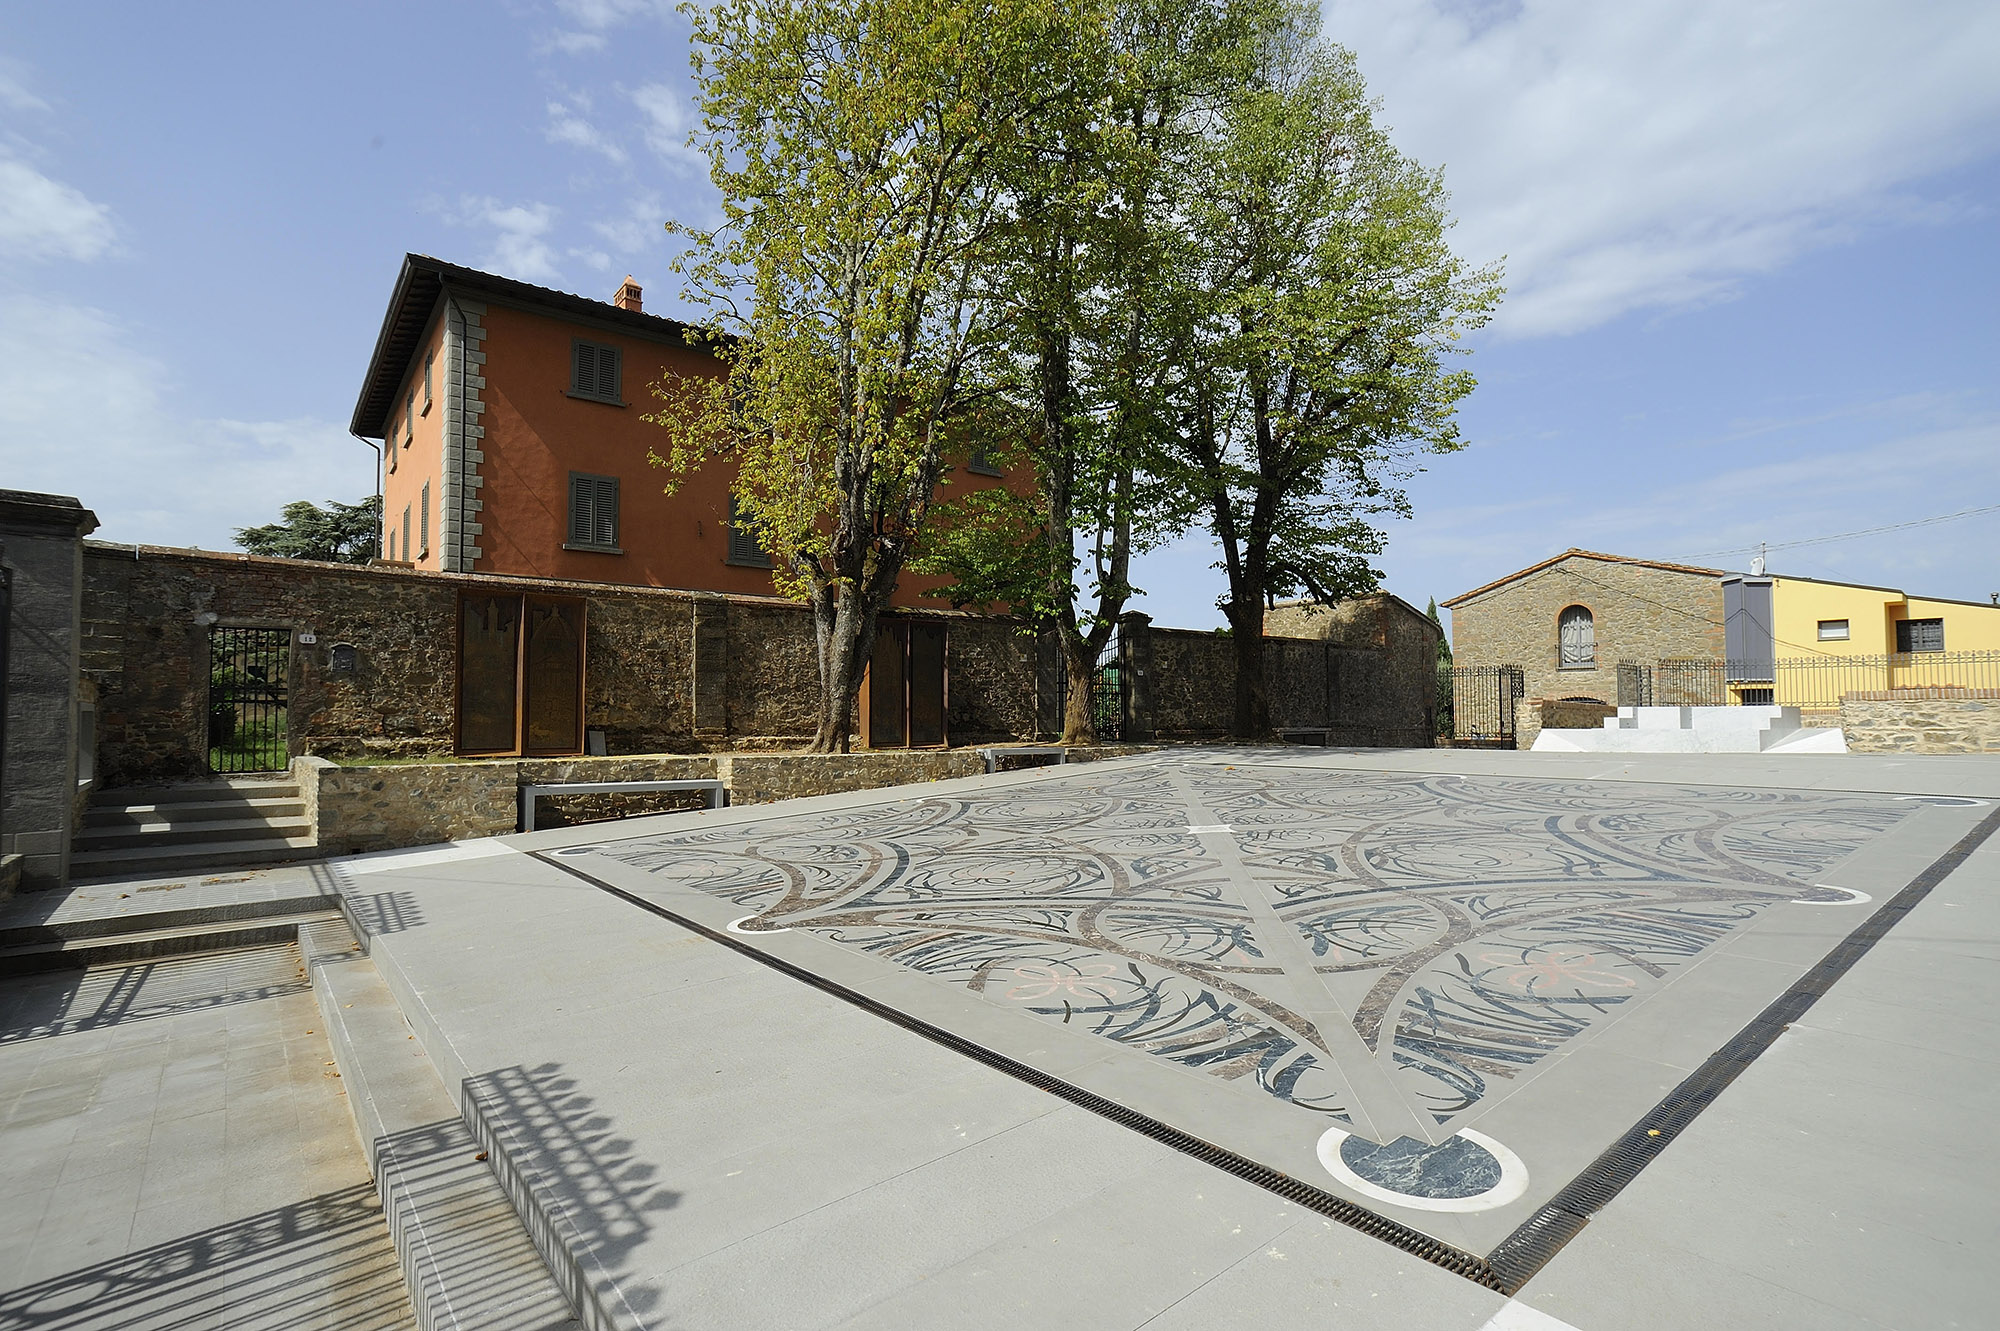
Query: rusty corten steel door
x=489 y=658
x=926 y=685
x=552 y=692
x=884 y=688
x=520 y=675
x=903 y=695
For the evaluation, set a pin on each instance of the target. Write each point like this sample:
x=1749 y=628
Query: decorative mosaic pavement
x=1356 y=965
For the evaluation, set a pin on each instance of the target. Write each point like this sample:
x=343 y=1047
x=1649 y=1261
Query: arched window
x=1576 y=637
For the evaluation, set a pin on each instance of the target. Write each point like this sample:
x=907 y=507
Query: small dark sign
x=340 y=658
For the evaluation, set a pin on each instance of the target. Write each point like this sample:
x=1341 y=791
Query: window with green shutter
x=743 y=546
x=424 y=522
x=594 y=372
x=593 y=513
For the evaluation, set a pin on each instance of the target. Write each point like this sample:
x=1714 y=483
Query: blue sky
x=1753 y=254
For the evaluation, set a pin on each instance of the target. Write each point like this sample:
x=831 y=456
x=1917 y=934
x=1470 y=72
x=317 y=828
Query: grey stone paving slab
x=131 y=899
x=140 y=1194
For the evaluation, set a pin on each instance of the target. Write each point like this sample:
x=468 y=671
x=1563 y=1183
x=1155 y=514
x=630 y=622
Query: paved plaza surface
x=1221 y=1037
x=1209 y=1038
x=175 y=1151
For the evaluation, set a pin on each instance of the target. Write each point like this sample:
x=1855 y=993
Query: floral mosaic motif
x=1464 y=929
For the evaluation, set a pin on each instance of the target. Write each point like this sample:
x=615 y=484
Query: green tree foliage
x=856 y=148
x=1318 y=307
x=1444 y=639
x=336 y=533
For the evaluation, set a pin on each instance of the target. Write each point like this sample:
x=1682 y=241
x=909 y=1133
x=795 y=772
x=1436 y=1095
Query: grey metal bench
x=994 y=755
x=1297 y=734
x=717 y=795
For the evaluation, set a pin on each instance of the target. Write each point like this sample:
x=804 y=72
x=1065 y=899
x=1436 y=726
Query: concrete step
x=149 y=944
x=195 y=792
x=188 y=811
x=189 y=858
x=175 y=832
x=467 y=1259
x=107 y=926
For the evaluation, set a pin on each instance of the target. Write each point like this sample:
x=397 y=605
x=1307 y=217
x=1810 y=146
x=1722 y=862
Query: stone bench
x=994 y=755
x=718 y=796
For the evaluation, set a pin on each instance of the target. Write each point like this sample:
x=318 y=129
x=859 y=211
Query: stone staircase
x=192 y=826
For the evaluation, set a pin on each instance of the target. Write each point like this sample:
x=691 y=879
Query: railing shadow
x=379 y=913
x=322 y=1263
x=587 y=1198
x=447 y=1223
x=37 y=1007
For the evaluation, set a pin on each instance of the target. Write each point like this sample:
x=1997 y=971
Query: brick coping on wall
x=1944 y=693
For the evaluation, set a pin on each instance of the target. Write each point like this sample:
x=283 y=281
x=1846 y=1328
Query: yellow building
x=1828 y=638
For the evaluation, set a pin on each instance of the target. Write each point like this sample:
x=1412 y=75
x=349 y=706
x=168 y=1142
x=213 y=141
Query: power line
x=1850 y=535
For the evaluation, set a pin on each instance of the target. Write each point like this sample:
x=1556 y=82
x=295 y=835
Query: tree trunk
x=1253 y=697
x=1080 y=673
x=846 y=632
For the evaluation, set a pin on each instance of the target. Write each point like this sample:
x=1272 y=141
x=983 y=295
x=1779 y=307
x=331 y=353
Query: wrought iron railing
x=1816 y=683
x=1810 y=683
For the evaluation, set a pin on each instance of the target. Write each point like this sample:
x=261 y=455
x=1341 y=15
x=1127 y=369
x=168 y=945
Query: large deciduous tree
x=855 y=147
x=1076 y=282
x=1318 y=305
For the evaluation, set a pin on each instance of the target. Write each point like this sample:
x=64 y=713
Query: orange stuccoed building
x=512 y=439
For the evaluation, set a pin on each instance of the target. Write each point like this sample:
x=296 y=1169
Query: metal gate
x=1635 y=684
x=1107 y=691
x=247 y=673
x=1482 y=701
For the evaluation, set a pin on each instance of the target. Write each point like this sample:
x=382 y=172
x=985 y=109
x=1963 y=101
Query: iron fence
x=1707 y=681
x=1445 y=726
x=1482 y=701
x=1816 y=683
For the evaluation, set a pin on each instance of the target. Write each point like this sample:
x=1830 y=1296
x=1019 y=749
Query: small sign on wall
x=340 y=658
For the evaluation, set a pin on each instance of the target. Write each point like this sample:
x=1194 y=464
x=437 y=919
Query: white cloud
x=520 y=247
x=1654 y=153
x=42 y=218
x=14 y=94
x=667 y=124
x=84 y=412
x=577 y=43
x=639 y=228
x=600 y=14
x=566 y=125
x=595 y=16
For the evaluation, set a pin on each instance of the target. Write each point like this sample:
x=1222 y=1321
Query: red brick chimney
x=628 y=295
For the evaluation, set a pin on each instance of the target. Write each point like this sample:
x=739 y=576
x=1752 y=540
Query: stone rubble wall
x=665 y=671
x=146 y=614
x=1534 y=715
x=394 y=805
x=1922 y=721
